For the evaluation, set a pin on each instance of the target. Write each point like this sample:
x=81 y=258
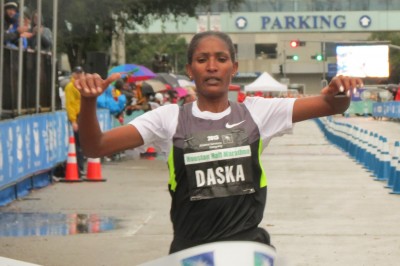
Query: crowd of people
x=27 y=31
x=127 y=99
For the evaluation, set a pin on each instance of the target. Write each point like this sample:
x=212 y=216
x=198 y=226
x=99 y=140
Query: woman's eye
x=201 y=60
x=222 y=59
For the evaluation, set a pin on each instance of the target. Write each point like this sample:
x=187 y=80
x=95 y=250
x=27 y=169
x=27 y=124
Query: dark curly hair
x=199 y=36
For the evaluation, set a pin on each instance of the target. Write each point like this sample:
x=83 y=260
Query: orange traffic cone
x=71 y=172
x=94 y=170
x=72 y=225
x=94 y=223
x=151 y=150
x=150 y=153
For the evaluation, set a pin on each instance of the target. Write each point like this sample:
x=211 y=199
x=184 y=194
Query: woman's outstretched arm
x=94 y=142
x=334 y=99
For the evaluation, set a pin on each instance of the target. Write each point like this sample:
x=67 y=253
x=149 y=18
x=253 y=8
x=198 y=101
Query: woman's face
x=212 y=67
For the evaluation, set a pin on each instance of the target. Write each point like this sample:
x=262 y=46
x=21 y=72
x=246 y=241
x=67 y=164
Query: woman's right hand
x=92 y=85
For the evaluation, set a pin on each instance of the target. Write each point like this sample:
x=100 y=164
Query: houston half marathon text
x=216 y=155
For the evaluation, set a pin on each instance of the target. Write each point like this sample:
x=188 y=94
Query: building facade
x=262 y=31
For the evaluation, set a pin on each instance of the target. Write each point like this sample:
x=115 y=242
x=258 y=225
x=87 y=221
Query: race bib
x=218 y=164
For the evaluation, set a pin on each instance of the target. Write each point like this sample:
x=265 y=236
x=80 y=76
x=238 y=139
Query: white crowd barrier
x=367 y=148
x=224 y=253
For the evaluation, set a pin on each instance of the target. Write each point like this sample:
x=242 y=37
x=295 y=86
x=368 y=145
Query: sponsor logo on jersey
x=213 y=138
x=227 y=125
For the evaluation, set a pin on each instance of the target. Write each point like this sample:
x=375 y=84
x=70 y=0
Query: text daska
x=219 y=175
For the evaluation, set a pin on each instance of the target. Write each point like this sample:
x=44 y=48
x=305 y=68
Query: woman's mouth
x=212 y=81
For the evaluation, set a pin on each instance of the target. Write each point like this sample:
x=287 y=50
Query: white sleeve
x=158 y=126
x=272 y=115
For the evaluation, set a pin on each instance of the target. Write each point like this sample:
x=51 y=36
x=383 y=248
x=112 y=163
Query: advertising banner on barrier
x=387 y=109
x=62 y=133
x=33 y=143
x=20 y=135
x=37 y=144
x=103 y=115
x=6 y=152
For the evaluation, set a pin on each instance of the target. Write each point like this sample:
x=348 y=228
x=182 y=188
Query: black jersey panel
x=207 y=153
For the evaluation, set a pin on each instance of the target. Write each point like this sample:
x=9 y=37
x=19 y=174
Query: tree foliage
x=87 y=25
x=394 y=54
x=141 y=48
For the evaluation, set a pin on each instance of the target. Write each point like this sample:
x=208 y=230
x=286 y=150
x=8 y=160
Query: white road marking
x=136 y=228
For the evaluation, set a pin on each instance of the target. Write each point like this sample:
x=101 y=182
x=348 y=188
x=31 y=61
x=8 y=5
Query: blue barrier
x=386 y=109
x=394 y=165
x=30 y=147
x=396 y=182
x=383 y=169
x=368 y=149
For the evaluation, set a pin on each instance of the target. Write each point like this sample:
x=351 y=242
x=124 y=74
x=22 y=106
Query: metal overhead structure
x=1 y=55
x=38 y=58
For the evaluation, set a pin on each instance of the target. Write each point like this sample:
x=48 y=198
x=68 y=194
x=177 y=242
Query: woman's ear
x=235 y=67
x=189 y=72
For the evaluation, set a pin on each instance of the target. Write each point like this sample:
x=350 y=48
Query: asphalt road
x=322 y=209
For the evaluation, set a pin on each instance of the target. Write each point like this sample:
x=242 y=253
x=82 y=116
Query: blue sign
x=332 y=69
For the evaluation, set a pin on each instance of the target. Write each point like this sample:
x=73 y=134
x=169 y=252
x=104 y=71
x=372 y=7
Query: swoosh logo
x=227 y=125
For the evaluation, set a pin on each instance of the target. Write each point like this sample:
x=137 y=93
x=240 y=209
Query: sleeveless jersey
x=217 y=183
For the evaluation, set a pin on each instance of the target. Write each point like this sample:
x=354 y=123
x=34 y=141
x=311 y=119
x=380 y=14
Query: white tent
x=265 y=82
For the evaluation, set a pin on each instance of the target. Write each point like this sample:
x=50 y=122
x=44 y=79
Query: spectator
x=12 y=30
x=397 y=97
x=154 y=101
x=24 y=35
x=46 y=36
x=62 y=83
x=73 y=107
x=142 y=99
x=159 y=98
x=157 y=64
x=190 y=96
x=113 y=100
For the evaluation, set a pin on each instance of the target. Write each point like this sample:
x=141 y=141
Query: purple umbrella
x=133 y=72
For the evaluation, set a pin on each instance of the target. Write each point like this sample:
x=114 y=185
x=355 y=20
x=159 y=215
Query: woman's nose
x=212 y=65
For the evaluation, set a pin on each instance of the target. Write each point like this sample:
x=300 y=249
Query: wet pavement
x=322 y=209
x=17 y=224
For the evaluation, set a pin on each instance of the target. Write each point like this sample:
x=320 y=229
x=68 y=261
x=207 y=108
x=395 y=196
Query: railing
x=31 y=99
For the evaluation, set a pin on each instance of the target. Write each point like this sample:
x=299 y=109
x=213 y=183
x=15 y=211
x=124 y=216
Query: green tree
x=394 y=54
x=142 y=48
x=88 y=25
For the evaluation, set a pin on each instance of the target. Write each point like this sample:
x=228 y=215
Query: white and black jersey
x=217 y=183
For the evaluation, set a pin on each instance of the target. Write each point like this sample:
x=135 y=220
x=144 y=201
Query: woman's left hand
x=342 y=85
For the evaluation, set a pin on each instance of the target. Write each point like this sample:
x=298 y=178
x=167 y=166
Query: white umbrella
x=156 y=85
x=185 y=83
